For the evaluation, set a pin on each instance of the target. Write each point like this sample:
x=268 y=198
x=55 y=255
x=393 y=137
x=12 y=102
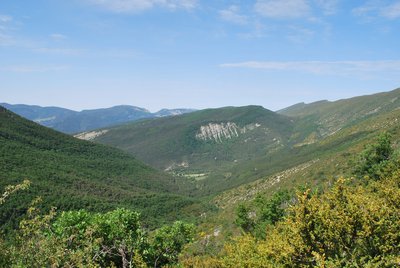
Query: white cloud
x=132 y=6
x=299 y=34
x=59 y=51
x=6 y=40
x=178 y=4
x=374 y=8
x=33 y=68
x=281 y=9
x=232 y=14
x=329 y=7
x=58 y=37
x=391 y=11
x=322 y=67
x=5 y=18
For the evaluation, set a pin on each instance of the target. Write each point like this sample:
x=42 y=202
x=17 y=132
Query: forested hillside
x=219 y=149
x=72 y=174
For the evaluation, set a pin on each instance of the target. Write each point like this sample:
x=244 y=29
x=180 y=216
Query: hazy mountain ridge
x=69 y=121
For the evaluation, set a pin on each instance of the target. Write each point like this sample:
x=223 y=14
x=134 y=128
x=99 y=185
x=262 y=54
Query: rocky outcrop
x=222 y=131
x=91 y=135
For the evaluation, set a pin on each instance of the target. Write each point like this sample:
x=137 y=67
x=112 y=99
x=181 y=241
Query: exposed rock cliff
x=220 y=131
x=91 y=135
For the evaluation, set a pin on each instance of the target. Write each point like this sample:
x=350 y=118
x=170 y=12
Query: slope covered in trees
x=354 y=223
x=220 y=149
x=71 y=174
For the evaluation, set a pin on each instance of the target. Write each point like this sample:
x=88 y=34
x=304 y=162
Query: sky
x=86 y=54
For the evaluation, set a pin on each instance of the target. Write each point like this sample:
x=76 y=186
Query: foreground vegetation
x=356 y=223
x=346 y=227
x=84 y=239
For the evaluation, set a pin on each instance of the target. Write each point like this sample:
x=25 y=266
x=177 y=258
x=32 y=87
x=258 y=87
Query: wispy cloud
x=392 y=11
x=299 y=35
x=232 y=14
x=133 y=6
x=279 y=9
x=6 y=40
x=59 y=51
x=5 y=18
x=58 y=37
x=329 y=7
x=385 y=9
x=322 y=67
x=33 y=68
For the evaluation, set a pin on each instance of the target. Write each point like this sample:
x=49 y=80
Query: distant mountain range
x=69 y=121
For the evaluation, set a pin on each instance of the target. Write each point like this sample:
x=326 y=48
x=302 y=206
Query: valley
x=219 y=149
x=199 y=167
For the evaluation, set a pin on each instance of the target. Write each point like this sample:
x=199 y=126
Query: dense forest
x=353 y=223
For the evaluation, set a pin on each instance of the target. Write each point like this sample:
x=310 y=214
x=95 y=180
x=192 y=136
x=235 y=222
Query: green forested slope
x=240 y=135
x=69 y=173
x=323 y=118
x=272 y=142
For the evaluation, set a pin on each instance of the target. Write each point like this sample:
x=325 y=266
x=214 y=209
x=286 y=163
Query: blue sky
x=157 y=54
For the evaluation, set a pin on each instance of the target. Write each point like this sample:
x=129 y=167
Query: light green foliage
x=348 y=226
x=119 y=233
x=37 y=245
x=168 y=242
x=9 y=190
x=85 y=239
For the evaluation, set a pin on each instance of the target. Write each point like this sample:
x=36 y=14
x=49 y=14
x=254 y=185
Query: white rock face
x=41 y=120
x=91 y=135
x=222 y=131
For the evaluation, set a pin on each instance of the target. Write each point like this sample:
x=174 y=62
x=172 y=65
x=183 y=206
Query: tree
x=117 y=236
x=375 y=158
x=243 y=219
x=262 y=211
x=168 y=242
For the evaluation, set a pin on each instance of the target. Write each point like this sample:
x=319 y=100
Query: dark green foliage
x=272 y=210
x=243 y=218
x=71 y=174
x=255 y=216
x=168 y=241
x=375 y=158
